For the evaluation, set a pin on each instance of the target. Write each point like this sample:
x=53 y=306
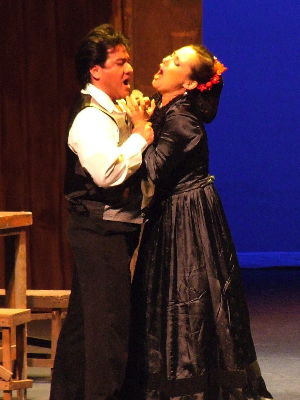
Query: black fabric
x=205 y=104
x=92 y=349
x=189 y=316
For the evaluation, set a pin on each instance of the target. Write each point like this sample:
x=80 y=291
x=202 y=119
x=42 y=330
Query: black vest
x=119 y=203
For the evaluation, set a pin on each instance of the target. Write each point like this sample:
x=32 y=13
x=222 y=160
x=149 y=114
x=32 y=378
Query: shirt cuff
x=134 y=146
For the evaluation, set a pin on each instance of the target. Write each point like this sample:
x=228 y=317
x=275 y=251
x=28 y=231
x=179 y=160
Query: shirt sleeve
x=94 y=138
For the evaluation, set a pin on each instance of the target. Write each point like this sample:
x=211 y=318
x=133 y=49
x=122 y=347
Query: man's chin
x=125 y=92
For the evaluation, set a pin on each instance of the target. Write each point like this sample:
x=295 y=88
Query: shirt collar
x=101 y=97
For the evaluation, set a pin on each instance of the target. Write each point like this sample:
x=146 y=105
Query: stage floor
x=273 y=296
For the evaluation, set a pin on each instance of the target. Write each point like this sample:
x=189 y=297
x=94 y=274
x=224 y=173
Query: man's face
x=114 y=77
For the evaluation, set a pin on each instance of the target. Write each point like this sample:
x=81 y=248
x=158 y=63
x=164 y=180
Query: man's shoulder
x=94 y=110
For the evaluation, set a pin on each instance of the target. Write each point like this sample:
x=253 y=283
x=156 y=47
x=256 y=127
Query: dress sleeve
x=181 y=133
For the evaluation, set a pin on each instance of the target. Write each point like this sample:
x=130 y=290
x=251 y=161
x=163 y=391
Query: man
x=103 y=190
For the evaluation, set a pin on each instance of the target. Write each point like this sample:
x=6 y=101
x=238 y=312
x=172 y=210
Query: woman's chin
x=155 y=84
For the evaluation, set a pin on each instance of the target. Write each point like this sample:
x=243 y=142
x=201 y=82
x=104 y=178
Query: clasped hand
x=139 y=109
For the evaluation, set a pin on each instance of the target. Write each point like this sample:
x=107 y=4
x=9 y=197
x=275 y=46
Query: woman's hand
x=138 y=107
x=138 y=99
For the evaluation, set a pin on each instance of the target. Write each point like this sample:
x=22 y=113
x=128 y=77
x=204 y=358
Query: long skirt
x=190 y=330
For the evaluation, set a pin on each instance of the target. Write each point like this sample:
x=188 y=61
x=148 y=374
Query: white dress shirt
x=94 y=138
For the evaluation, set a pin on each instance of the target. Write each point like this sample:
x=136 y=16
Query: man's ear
x=190 y=85
x=96 y=72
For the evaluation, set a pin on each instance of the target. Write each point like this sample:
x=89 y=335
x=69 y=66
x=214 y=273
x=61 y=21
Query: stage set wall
x=255 y=139
x=38 y=41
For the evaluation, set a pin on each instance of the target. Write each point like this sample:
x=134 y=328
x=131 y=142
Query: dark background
x=38 y=40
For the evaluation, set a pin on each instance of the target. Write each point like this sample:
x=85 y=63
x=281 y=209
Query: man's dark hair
x=93 y=50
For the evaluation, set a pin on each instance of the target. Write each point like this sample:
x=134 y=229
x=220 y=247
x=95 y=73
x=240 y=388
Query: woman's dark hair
x=93 y=50
x=204 y=69
x=205 y=103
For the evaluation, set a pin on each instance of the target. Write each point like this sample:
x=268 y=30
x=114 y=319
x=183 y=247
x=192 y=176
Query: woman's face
x=175 y=70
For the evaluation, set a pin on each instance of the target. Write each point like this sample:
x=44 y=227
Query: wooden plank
x=15 y=219
x=7 y=360
x=16 y=384
x=55 y=330
x=47 y=299
x=117 y=15
x=16 y=290
x=39 y=316
x=13 y=316
x=182 y=25
x=40 y=362
x=5 y=374
x=12 y=349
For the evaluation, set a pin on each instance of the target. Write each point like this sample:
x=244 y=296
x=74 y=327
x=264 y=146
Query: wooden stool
x=48 y=304
x=13 y=376
x=15 y=224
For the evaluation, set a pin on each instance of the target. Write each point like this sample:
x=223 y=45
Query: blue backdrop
x=255 y=139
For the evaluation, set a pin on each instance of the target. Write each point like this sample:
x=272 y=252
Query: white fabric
x=94 y=138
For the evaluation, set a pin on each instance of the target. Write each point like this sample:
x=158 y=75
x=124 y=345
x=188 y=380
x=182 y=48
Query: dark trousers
x=92 y=349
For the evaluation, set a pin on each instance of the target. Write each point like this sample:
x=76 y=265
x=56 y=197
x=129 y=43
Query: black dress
x=190 y=333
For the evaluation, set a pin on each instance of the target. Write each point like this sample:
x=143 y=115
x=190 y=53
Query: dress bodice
x=178 y=157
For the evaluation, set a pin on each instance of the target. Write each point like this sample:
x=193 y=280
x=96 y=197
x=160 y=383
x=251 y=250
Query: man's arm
x=94 y=138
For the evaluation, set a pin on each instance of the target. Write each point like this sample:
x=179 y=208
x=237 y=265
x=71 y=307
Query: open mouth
x=126 y=82
x=158 y=74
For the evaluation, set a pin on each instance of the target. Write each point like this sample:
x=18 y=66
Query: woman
x=190 y=334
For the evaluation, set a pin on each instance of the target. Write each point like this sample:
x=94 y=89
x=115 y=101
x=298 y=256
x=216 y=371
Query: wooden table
x=15 y=224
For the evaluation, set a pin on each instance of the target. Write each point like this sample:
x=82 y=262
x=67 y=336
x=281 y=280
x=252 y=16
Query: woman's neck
x=167 y=97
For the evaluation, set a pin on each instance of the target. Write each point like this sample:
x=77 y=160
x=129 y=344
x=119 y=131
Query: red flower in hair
x=219 y=68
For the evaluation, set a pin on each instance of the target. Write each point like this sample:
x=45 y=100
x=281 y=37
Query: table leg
x=16 y=290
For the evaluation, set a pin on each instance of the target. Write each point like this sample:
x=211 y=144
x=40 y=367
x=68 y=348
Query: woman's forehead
x=186 y=54
x=186 y=50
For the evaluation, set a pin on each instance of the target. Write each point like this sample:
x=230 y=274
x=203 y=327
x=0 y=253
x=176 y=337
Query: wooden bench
x=52 y=305
x=13 y=371
x=45 y=305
